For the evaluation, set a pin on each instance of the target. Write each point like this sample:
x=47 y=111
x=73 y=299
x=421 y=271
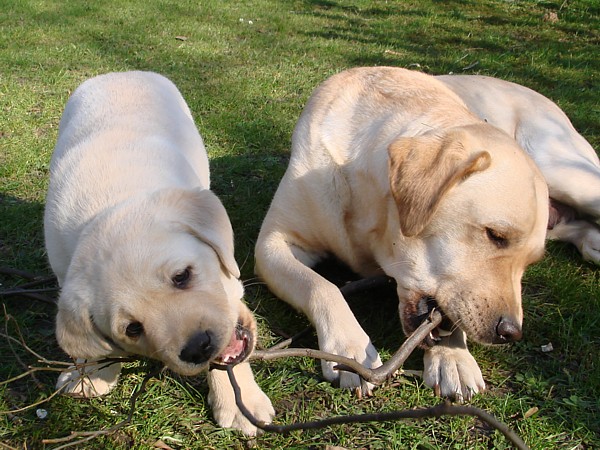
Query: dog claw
x=458 y=397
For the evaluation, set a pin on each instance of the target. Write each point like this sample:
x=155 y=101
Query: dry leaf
x=530 y=412
x=160 y=444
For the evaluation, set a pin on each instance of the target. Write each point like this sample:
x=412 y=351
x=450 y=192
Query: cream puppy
x=390 y=172
x=142 y=249
x=567 y=161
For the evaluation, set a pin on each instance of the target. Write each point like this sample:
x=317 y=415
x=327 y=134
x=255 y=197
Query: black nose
x=507 y=331
x=199 y=349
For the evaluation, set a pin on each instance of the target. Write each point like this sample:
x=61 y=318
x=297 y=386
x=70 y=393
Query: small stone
x=547 y=348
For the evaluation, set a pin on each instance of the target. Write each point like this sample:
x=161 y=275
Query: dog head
x=157 y=277
x=473 y=210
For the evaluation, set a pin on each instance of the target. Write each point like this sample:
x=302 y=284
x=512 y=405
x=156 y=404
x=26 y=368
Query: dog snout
x=199 y=349
x=507 y=330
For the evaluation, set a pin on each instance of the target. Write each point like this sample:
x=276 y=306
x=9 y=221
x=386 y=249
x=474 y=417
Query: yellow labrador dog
x=142 y=249
x=568 y=162
x=390 y=172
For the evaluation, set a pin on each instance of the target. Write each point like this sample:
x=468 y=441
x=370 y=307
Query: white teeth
x=434 y=336
x=444 y=332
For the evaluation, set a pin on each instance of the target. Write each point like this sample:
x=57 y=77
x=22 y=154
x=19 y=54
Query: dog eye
x=497 y=238
x=181 y=279
x=134 y=330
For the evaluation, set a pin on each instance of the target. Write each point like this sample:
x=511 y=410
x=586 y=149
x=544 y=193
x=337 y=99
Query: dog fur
x=142 y=249
x=568 y=162
x=390 y=172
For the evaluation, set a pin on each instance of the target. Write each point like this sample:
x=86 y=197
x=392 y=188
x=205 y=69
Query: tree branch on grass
x=29 y=289
x=443 y=409
x=75 y=437
x=79 y=437
x=9 y=271
x=51 y=366
x=375 y=376
x=34 y=294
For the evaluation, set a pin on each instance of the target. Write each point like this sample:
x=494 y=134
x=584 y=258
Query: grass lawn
x=246 y=69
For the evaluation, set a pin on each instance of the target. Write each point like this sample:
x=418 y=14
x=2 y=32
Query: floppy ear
x=423 y=168
x=207 y=219
x=76 y=333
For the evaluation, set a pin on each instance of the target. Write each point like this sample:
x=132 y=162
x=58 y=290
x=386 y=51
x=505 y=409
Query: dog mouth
x=238 y=349
x=417 y=313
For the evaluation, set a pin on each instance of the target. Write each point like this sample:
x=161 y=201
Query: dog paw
x=590 y=247
x=362 y=351
x=452 y=373
x=222 y=400
x=228 y=415
x=89 y=381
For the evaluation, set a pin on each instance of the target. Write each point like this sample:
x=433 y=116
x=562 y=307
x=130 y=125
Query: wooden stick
x=443 y=409
x=375 y=376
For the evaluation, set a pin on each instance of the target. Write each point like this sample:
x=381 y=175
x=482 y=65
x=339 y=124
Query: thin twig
x=43 y=360
x=39 y=281
x=29 y=371
x=366 y=284
x=32 y=370
x=32 y=405
x=21 y=291
x=27 y=289
x=286 y=343
x=8 y=318
x=103 y=363
x=6 y=446
x=39 y=297
x=84 y=436
x=40 y=357
x=19 y=273
x=375 y=376
x=35 y=294
x=442 y=409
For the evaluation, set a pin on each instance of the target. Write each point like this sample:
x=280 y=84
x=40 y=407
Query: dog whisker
x=254 y=283
x=243 y=264
x=251 y=280
x=396 y=264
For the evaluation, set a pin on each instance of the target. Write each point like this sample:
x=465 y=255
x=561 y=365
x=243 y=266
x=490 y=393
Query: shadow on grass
x=21 y=236
x=504 y=42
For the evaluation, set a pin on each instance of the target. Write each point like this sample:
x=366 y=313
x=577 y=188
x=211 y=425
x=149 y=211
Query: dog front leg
x=584 y=235
x=222 y=399
x=339 y=333
x=451 y=370
x=285 y=269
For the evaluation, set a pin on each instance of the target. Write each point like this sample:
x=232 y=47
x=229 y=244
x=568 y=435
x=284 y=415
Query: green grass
x=246 y=84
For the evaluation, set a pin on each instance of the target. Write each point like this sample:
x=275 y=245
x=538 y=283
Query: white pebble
x=547 y=348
